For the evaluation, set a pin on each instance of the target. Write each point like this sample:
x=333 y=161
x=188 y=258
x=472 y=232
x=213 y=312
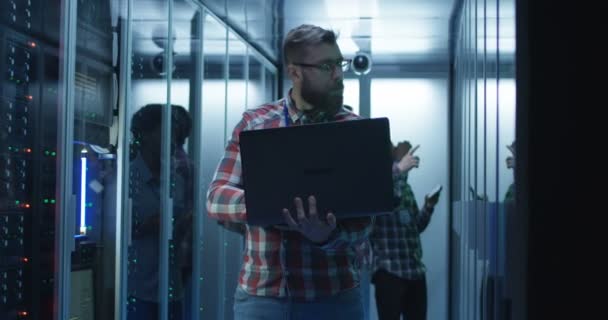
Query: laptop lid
x=346 y=165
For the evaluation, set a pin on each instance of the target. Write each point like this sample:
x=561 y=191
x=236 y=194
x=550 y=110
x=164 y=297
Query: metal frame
x=64 y=215
x=123 y=199
x=197 y=137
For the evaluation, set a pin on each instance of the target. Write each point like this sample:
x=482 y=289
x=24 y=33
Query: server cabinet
x=27 y=152
x=32 y=198
x=74 y=76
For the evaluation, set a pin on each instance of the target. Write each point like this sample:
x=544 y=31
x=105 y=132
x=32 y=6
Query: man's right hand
x=311 y=226
x=409 y=161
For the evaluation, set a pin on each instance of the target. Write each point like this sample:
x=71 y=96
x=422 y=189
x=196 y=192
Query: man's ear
x=294 y=73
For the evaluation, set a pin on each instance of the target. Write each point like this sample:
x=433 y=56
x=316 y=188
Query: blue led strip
x=83 y=191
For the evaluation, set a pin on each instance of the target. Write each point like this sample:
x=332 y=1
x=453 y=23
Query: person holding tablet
x=398 y=272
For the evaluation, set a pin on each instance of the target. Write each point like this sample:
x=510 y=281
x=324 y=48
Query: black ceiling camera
x=362 y=63
x=160 y=39
x=158 y=63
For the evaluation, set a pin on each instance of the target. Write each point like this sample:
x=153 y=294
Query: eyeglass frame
x=328 y=67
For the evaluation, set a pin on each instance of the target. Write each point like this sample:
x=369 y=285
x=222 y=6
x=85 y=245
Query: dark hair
x=299 y=39
x=149 y=118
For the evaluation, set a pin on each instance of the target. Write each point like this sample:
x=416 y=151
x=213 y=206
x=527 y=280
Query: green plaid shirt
x=396 y=237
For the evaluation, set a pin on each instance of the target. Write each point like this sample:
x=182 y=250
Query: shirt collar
x=295 y=115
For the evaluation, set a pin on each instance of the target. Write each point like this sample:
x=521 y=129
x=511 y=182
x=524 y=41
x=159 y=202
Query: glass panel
x=230 y=242
x=184 y=97
x=481 y=178
x=236 y=14
x=93 y=257
x=351 y=94
x=256 y=85
x=261 y=27
x=218 y=7
x=506 y=97
x=425 y=113
x=214 y=133
x=469 y=158
x=486 y=93
x=238 y=87
x=270 y=89
x=148 y=98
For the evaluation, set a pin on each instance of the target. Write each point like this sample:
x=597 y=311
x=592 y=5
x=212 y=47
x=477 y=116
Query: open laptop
x=346 y=165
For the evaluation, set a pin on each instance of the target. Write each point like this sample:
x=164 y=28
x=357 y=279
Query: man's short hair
x=299 y=39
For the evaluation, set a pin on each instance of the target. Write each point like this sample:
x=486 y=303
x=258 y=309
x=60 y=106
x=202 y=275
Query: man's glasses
x=328 y=67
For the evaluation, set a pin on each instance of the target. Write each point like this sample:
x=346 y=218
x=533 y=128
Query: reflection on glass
x=238 y=87
x=150 y=47
x=256 y=83
x=184 y=93
x=145 y=183
x=231 y=243
x=270 y=88
x=93 y=258
x=484 y=136
x=214 y=134
x=165 y=47
x=237 y=12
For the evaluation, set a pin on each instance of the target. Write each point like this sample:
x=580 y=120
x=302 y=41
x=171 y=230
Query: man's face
x=320 y=87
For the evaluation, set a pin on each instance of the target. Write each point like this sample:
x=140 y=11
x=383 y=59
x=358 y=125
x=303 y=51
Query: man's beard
x=325 y=104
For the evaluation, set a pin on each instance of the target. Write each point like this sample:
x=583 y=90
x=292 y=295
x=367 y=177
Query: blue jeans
x=364 y=284
x=344 y=305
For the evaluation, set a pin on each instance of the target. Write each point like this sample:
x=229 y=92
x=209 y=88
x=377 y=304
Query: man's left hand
x=311 y=226
x=430 y=202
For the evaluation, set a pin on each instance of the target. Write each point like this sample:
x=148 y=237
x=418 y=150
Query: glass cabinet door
x=163 y=99
x=114 y=116
x=483 y=136
x=57 y=98
x=87 y=161
x=215 y=37
x=148 y=205
x=183 y=155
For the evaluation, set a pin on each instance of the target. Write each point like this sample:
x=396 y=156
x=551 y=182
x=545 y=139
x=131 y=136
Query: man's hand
x=315 y=229
x=430 y=202
x=511 y=159
x=409 y=161
x=510 y=162
x=511 y=148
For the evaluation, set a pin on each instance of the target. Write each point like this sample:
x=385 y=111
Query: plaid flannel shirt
x=284 y=263
x=396 y=237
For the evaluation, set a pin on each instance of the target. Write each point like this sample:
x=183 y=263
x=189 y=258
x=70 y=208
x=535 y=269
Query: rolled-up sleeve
x=226 y=197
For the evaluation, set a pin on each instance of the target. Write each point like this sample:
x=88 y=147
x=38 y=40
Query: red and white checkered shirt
x=284 y=263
